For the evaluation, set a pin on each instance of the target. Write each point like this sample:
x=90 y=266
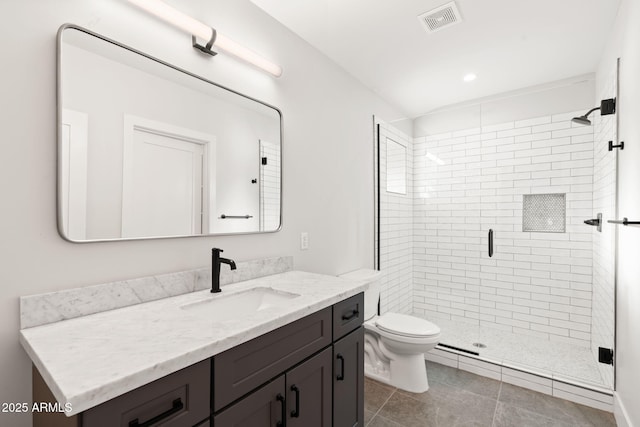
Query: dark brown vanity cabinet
x=247 y=366
x=263 y=407
x=299 y=356
x=309 y=392
x=299 y=398
x=309 y=373
x=348 y=316
x=318 y=366
x=348 y=380
x=348 y=362
x=180 y=399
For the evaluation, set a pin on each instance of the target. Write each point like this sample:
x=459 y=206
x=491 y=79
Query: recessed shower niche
x=545 y=213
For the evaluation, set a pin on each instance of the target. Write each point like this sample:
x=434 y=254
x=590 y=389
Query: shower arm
x=591 y=111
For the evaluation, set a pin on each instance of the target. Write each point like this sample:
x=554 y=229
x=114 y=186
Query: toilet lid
x=408 y=326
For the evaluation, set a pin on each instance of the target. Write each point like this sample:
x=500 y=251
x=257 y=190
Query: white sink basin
x=220 y=307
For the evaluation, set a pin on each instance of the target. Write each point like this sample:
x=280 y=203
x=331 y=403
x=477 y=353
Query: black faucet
x=216 y=260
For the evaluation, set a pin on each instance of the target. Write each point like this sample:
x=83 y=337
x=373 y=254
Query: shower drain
x=479 y=345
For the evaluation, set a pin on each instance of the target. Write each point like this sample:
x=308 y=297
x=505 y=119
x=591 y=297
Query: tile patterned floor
x=562 y=359
x=458 y=398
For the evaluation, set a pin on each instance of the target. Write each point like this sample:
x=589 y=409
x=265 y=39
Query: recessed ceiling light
x=469 y=77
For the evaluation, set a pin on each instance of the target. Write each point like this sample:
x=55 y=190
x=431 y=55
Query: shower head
x=607 y=106
x=582 y=120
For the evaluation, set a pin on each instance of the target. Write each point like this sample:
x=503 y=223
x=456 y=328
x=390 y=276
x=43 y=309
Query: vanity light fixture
x=200 y=30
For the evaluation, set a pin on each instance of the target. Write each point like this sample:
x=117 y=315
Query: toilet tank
x=371 y=296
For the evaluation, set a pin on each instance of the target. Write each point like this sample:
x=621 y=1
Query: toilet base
x=406 y=372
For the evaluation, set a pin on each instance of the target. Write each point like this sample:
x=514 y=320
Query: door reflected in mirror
x=147 y=150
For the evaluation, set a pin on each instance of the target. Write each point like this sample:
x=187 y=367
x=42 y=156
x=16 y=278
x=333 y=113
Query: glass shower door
x=547 y=291
x=502 y=259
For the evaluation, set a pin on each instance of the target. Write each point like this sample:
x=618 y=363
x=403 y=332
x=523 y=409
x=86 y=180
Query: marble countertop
x=89 y=360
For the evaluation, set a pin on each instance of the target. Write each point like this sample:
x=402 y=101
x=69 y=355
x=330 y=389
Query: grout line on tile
x=495 y=410
x=384 y=403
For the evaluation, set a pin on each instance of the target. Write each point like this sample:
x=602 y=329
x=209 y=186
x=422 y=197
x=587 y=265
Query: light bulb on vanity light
x=202 y=31
x=469 y=77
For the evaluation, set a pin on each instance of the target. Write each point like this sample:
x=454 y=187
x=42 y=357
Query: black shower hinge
x=607 y=106
x=264 y=160
x=620 y=146
x=605 y=355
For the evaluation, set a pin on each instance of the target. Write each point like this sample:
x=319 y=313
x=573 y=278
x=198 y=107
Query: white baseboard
x=620 y=413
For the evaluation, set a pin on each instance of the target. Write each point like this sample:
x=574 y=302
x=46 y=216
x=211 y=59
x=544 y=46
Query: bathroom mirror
x=147 y=150
x=396 y=167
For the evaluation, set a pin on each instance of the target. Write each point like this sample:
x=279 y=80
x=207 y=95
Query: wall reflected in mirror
x=147 y=150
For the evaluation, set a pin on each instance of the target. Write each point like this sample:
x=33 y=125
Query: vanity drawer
x=347 y=315
x=180 y=399
x=243 y=368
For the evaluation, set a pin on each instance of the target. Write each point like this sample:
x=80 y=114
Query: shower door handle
x=490 y=241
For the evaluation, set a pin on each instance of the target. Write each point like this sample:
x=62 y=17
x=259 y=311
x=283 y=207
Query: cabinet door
x=309 y=392
x=348 y=380
x=263 y=408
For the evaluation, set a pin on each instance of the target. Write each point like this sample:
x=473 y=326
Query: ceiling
x=508 y=44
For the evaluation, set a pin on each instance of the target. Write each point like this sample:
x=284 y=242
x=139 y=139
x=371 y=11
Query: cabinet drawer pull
x=177 y=406
x=341 y=359
x=283 y=410
x=296 y=412
x=354 y=313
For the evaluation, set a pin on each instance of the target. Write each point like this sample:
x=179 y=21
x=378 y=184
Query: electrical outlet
x=304 y=241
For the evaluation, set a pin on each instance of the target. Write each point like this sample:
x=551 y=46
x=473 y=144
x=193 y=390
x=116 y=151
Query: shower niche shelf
x=544 y=213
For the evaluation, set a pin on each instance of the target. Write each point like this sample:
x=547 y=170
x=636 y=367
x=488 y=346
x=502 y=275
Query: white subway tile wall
x=270 y=187
x=470 y=181
x=604 y=201
x=396 y=229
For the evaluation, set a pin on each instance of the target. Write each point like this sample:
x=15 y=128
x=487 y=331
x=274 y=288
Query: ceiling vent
x=440 y=17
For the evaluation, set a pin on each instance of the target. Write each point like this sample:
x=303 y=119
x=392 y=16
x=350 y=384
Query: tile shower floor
x=561 y=359
x=460 y=398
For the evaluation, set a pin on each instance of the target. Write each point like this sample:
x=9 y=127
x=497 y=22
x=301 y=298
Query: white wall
x=565 y=95
x=327 y=157
x=624 y=43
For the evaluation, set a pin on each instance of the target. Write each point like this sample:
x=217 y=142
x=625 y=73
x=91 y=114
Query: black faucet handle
x=216 y=250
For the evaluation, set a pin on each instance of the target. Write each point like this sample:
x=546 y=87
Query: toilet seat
x=406 y=326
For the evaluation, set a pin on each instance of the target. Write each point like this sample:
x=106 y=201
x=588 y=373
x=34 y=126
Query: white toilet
x=394 y=344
